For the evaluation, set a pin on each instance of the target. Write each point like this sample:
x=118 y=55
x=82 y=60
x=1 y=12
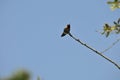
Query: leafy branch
x=107 y=29
x=114 y=4
x=94 y=50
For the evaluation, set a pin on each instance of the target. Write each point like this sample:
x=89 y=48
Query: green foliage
x=107 y=29
x=18 y=75
x=114 y=4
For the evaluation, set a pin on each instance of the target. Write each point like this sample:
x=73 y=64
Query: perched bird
x=66 y=30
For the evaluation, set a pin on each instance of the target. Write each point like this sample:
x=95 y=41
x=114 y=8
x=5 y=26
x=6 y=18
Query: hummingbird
x=66 y=30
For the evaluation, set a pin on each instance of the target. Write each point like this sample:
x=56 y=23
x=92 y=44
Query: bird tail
x=63 y=34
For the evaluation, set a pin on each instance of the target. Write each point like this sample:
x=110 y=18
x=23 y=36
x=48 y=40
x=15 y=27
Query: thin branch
x=111 y=45
x=94 y=50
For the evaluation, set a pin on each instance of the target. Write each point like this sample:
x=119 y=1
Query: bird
x=66 y=30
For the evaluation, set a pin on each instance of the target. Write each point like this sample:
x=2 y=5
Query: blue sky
x=30 y=38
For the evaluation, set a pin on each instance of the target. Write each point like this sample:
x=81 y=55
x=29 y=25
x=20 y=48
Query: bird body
x=66 y=30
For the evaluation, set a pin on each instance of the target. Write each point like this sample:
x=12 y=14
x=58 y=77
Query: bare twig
x=111 y=45
x=94 y=50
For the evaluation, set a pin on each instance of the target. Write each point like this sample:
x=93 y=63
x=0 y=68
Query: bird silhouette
x=66 y=30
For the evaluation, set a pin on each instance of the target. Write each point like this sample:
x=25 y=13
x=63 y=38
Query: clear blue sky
x=30 y=38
